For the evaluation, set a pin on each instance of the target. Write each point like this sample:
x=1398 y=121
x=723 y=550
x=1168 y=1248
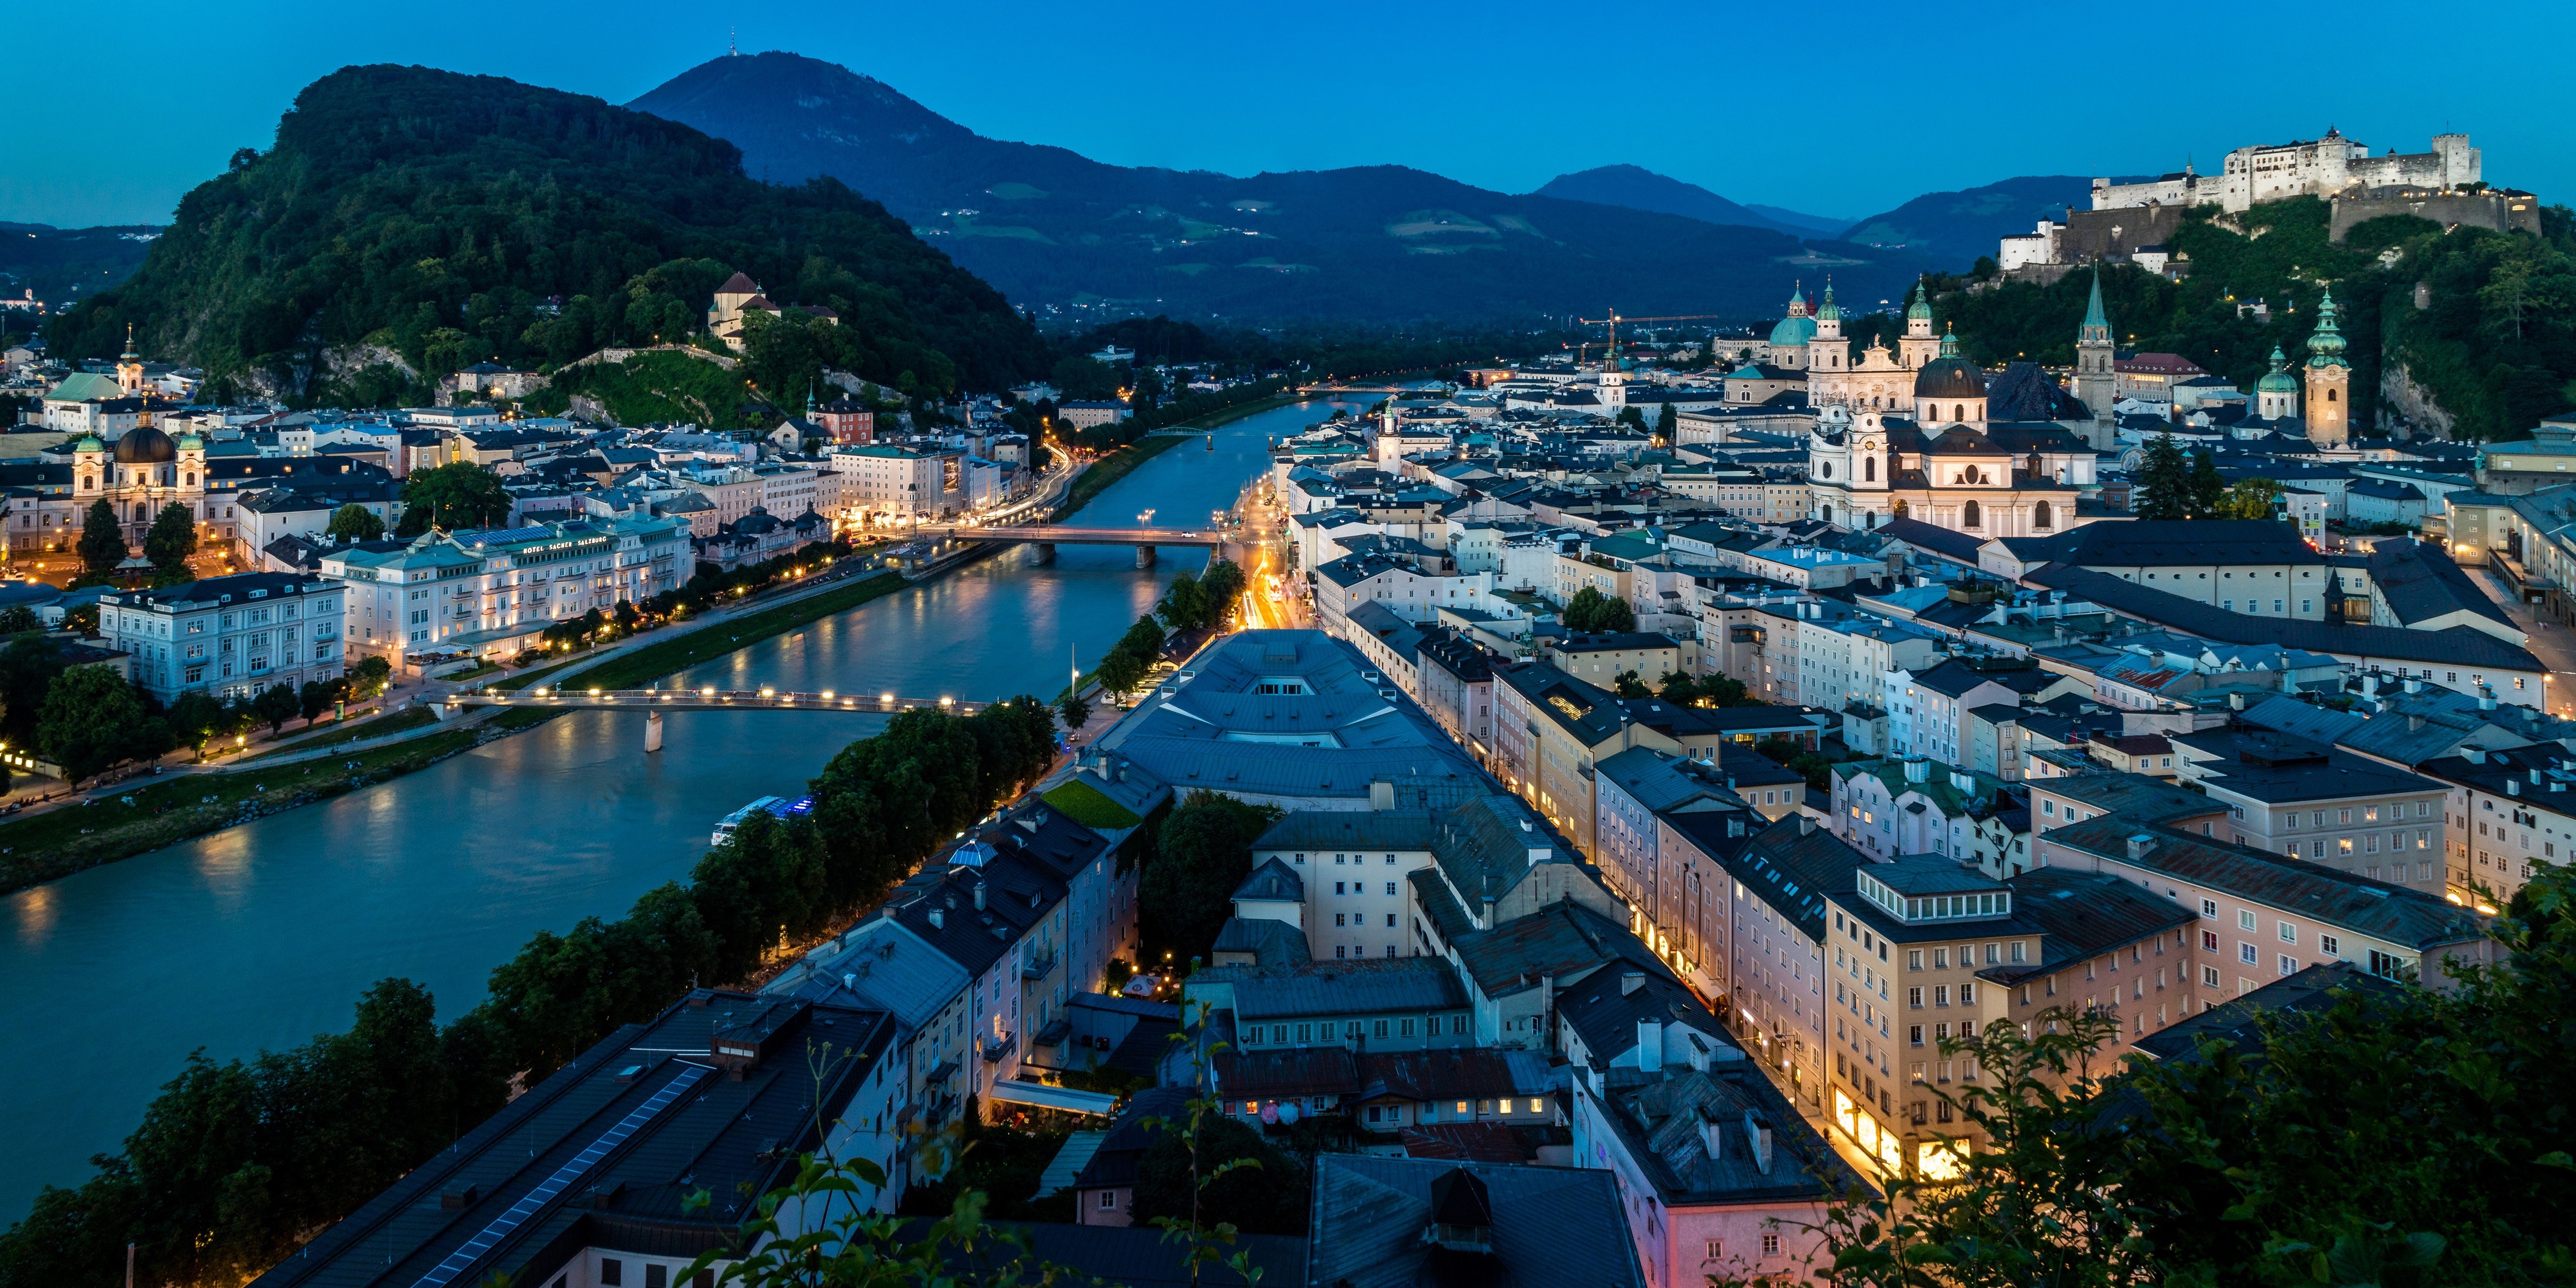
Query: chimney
x=2139 y=844
x=2236 y=700
x=1650 y=1045
x=2370 y=685
x=2474 y=755
x=1631 y=981
x=938 y=920
x=1381 y=795
x=979 y=896
x=1805 y=825
x=2486 y=698
x=2513 y=787
x=1546 y=1002
x=1709 y=1137
x=1918 y=770
x=1757 y=1138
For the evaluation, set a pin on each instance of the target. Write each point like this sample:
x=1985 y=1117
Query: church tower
x=1828 y=351
x=2329 y=381
x=1789 y=339
x=2097 y=386
x=1919 y=346
x=2276 y=395
x=129 y=366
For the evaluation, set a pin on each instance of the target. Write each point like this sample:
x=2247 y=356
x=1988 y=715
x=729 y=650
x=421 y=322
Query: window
x=2329 y=945
x=2209 y=941
x=1109 y=1200
x=1770 y=1245
x=1390 y=889
x=2209 y=976
x=1914 y=1035
x=2209 y=908
x=2245 y=919
x=2289 y=964
x=1381 y=1029
x=2289 y=933
x=656 y=1275
x=612 y=1272
x=2246 y=954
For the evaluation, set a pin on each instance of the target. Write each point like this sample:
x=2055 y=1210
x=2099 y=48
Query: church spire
x=2097 y=323
x=2325 y=346
x=130 y=355
x=1920 y=306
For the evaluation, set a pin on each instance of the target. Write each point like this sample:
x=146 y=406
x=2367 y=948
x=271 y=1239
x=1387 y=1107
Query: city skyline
x=1434 y=89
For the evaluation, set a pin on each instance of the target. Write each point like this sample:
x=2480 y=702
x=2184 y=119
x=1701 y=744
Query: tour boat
x=778 y=806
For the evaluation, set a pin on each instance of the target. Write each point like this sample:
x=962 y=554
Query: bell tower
x=2097 y=385
x=1919 y=346
x=2329 y=381
x=129 y=366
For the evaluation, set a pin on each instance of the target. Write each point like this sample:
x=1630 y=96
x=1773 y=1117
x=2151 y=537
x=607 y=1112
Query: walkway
x=2553 y=644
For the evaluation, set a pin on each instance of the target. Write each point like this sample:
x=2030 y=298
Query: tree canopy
x=1591 y=611
x=457 y=495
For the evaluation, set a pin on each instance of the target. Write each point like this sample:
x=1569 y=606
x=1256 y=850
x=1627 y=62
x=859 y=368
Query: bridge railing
x=705 y=698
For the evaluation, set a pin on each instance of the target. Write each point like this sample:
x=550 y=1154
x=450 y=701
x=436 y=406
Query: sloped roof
x=2456 y=646
x=2419 y=583
x=1273 y=881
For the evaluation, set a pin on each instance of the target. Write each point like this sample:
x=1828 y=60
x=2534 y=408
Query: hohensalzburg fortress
x=2326 y=167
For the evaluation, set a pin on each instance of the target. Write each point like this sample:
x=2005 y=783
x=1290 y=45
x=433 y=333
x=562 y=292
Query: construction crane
x=1611 y=353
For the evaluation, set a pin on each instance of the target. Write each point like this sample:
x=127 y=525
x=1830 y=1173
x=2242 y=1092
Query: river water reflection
x=263 y=935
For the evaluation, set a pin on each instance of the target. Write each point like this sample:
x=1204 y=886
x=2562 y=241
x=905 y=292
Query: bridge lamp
x=948 y=702
x=827 y=695
x=594 y=693
x=707 y=692
x=885 y=697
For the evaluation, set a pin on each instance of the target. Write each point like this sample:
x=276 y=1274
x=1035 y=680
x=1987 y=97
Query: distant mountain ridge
x=1954 y=228
x=1639 y=188
x=1050 y=227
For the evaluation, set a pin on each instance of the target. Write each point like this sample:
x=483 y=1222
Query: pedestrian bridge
x=1046 y=537
x=654 y=702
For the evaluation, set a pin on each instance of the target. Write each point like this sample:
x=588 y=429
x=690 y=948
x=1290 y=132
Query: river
x=263 y=935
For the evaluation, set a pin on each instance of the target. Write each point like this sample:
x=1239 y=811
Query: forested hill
x=410 y=221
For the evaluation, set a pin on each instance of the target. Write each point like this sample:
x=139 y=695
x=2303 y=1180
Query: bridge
x=1047 y=536
x=653 y=702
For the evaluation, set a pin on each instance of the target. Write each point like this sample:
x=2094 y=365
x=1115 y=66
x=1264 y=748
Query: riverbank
x=1117 y=465
x=181 y=807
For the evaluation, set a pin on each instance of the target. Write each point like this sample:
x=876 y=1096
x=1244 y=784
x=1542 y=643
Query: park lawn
x=1087 y=805
x=375 y=726
x=171 y=809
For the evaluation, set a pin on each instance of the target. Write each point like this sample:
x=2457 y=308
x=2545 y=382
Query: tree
x=1201 y=852
x=355 y=522
x=1627 y=684
x=318 y=696
x=2163 y=484
x=1072 y=710
x=2248 y=499
x=1222 y=584
x=93 y=718
x=194 y=717
x=1183 y=606
x=458 y=495
x=1633 y=418
x=1666 y=425
x=1120 y=672
x=18 y=619
x=102 y=541
x=2208 y=490
x=276 y=705
x=1144 y=641
x=172 y=538
x=369 y=677
x=1590 y=612
x=1238 y=1179
x=27 y=670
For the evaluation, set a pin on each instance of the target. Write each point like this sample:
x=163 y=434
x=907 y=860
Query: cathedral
x=1905 y=435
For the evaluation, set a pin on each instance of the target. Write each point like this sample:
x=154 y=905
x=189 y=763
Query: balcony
x=993 y=1049
x=1035 y=968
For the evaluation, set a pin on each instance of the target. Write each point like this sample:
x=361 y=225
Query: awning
x=1038 y=1095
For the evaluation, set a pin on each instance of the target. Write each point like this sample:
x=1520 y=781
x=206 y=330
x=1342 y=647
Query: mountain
x=62 y=265
x=409 y=221
x=1954 y=228
x=1813 y=225
x=1053 y=228
x=1638 y=188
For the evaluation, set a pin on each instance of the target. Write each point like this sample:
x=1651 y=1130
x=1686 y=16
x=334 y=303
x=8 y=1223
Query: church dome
x=1793 y=330
x=2277 y=381
x=89 y=443
x=1950 y=376
x=1919 y=309
x=144 y=445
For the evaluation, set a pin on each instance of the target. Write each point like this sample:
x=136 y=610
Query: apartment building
x=2511 y=813
x=228 y=637
x=493 y=592
x=2306 y=800
x=1917 y=806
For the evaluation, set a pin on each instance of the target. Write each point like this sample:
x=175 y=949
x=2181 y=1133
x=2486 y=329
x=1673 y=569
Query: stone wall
x=2407 y=406
x=2493 y=211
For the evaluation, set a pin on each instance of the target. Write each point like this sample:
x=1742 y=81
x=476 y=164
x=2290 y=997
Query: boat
x=778 y=806
x=1211 y=442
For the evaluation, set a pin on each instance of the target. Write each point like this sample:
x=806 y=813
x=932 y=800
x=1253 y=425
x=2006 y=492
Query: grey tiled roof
x=2392 y=913
x=1551 y=1225
x=2418 y=582
x=2457 y=646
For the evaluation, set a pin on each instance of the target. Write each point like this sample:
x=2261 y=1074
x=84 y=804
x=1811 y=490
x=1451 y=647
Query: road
x=1261 y=550
x=2552 y=644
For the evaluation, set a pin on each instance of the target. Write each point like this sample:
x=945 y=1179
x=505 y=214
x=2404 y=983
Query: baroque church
x=1907 y=434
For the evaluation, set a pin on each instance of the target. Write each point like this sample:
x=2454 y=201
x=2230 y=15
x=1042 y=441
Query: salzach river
x=261 y=936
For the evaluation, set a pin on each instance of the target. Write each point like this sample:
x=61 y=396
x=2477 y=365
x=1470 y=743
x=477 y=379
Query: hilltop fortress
x=2333 y=166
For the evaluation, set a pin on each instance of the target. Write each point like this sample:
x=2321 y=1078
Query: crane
x=1610 y=353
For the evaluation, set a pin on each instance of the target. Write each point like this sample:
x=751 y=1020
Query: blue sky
x=1836 y=110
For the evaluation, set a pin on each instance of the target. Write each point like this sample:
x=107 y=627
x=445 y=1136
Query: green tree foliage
x=369 y=676
x=2401 y=1136
x=93 y=718
x=194 y=717
x=1633 y=418
x=18 y=619
x=1184 y=606
x=355 y=522
x=1131 y=657
x=1202 y=850
x=276 y=705
x=102 y=540
x=1072 y=710
x=1817 y=767
x=2248 y=499
x=1591 y=611
x=1250 y=1184
x=454 y=496
x=1628 y=684
x=443 y=216
x=1704 y=691
x=2208 y=490
x=172 y=539
x=27 y=669
x=1222 y=585
x=2163 y=483
x=1667 y=423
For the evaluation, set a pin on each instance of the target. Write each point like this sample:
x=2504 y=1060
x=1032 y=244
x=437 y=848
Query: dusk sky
x=1834 y=110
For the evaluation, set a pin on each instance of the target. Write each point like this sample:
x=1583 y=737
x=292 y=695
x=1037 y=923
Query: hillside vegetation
x=2495 y=349
x=409 y=222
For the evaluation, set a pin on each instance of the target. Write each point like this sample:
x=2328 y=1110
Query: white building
x=888 y=482
x=491 y=593
x=227 y=636
x=2322 y=167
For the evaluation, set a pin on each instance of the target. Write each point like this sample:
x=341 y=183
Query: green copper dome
x=1794 y=329
x=2325 y=346
x=2277 y=380
x=89 y=443
x=1829 y=311
x=1919 y=309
